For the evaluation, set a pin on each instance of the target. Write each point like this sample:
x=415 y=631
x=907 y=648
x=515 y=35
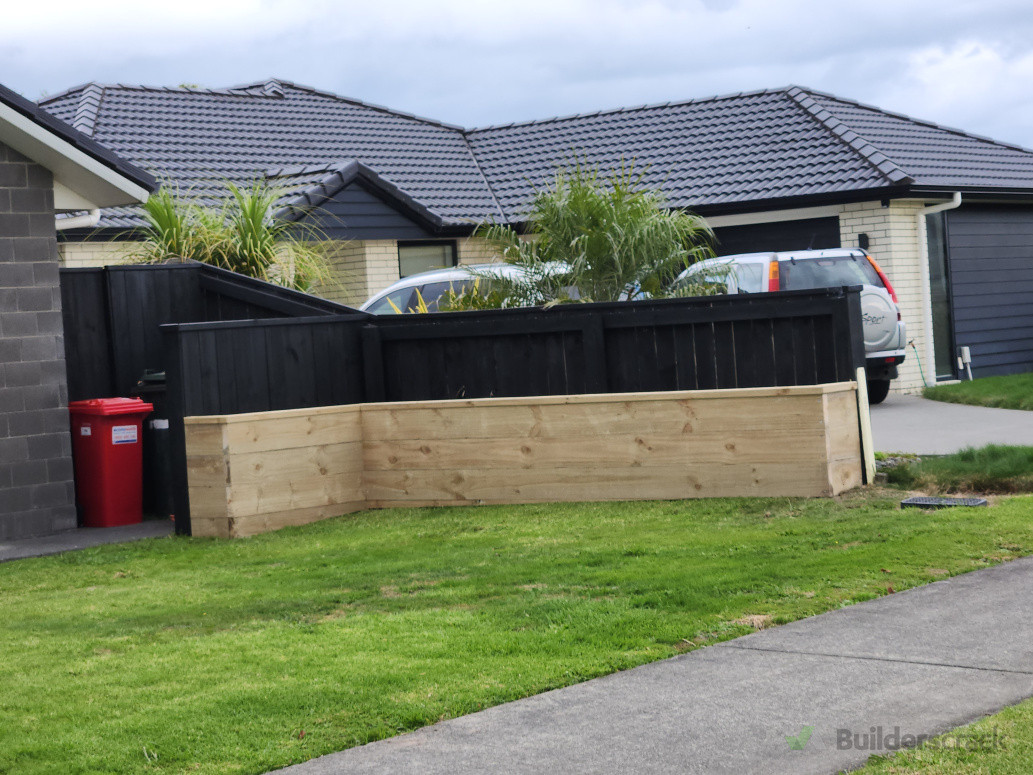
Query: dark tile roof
x=77 y=139
x=932 y=155
x=735 y=149
x=199 y=137
x=721 y=152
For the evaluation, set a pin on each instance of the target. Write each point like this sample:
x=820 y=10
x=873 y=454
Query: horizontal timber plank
x=789 y=444
x=679 y=416
x=202 y=527
x=704 y=480
x=291 y=429
x=206 y=439
x=279 y=495
x=241 y=527
x=289 y=464
x=844 y=475
x=606 y=398
x=208 y=502
x=208 y=470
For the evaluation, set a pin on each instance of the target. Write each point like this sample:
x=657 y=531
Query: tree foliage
x=595 y=239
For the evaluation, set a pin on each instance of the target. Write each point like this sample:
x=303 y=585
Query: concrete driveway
x=913 y=424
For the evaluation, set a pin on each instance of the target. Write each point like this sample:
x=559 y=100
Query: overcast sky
x=964 y=64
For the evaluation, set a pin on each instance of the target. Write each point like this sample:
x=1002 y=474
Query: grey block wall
x=36 y=489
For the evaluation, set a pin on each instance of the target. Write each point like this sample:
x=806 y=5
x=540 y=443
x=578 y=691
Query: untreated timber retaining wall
x=250 y=473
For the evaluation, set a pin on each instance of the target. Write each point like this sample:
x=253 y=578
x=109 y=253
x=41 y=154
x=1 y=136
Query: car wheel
x=878 y=389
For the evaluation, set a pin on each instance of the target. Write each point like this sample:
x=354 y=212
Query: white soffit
x=66 y=200
x=76 y=171
x=772 y=216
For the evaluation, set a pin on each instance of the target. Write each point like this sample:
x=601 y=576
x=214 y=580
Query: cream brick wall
x=474 y=250
x=359 y=269
x=96 y=253
x=895 y=242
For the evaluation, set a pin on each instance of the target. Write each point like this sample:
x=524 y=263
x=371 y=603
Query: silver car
x=404 y=296
x=885 y=335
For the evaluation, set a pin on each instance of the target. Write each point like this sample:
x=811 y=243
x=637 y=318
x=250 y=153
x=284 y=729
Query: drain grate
x=940 y=503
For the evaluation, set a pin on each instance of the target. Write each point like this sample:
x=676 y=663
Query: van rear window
x=804 y=274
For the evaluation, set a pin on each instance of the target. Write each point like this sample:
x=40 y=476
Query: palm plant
x=242 y=235
x=615 y=238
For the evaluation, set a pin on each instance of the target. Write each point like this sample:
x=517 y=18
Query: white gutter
x=88 y=221
x=923 y=268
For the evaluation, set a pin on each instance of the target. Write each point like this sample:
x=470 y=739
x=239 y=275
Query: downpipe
x=923 y=268
x=87 y=221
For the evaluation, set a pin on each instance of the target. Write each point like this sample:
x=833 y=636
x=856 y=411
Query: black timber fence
x=112 y=316
x=771 y=339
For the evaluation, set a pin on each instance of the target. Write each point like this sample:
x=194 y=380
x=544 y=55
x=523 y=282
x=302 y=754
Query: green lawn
x=1011 y=392
x=1001 y=744
x=191 y=655
x=991 y=469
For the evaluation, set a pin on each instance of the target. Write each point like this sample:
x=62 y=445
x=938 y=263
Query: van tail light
x=773 y=275
x=885 y=280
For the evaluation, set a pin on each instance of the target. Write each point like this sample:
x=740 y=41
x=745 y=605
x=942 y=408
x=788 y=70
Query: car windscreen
x=827 y=272
x=393 y=303
x=432 y=292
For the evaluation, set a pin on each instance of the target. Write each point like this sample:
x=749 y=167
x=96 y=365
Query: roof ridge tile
x=614 y=111
x=849 y=137
x=87 y=109
x=913 y=120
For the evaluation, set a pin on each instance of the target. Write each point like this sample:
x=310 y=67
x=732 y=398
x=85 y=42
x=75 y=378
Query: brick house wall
x=895 y=238
x=36 y=487
x=93 y=253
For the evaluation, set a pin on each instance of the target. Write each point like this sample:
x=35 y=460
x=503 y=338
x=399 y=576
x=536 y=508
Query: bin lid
x=110 y=406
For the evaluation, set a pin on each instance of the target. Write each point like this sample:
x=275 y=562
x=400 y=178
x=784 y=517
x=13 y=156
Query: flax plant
x=242 y=234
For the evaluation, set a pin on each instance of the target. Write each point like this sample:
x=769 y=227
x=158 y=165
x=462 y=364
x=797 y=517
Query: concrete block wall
x=36 y=486
x=895 y=239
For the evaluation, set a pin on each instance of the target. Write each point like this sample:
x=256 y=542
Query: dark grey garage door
x=990 y=252
x=782 y=235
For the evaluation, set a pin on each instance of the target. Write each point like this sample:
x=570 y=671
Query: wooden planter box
x=251 y=473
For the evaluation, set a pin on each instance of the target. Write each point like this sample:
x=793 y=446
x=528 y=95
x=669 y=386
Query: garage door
x=783 y=235
x=990 y=251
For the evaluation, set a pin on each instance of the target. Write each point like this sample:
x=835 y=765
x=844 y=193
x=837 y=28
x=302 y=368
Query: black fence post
x=593 y=337
x=373 y=363
x=849 y=328
x=176 y=397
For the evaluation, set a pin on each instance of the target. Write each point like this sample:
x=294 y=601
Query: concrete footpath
x=83 y=538
x=924 y=661
x=913 y=424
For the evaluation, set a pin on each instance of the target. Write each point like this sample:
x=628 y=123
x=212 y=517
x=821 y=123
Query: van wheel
x=878 y=389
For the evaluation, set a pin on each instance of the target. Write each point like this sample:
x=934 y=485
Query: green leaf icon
x=798 y=742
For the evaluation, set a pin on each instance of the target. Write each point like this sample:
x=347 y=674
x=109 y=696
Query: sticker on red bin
x=123 y=434
x=85 y=430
